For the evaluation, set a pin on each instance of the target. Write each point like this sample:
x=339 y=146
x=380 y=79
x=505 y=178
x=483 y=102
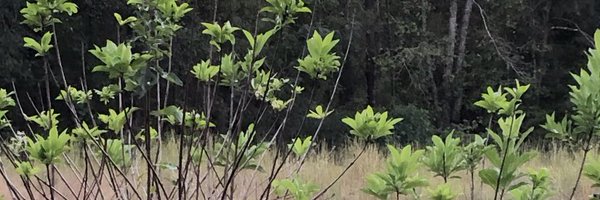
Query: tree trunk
x=371 y=15
x=460 y=60
x=370 y=76
x=448 y=71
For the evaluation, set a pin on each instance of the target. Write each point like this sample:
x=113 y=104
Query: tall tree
x=460 y=60
x=448 y=71
x=371 y=35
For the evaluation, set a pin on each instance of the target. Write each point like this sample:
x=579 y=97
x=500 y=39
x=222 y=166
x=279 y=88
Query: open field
x=322 y=168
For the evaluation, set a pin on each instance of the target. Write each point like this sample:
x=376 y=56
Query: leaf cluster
x=107 y=93
x=116 y=121
x=42 y=47
x=585 y=96
x=204 y=71
x=285 y=11
x=118 y=60
x=299 y=189
x=46 y=119
x=79 y=96
x=229 y=153
x=197 y=121
x=119 y=152
x=220 y=34
x=370 y=125
x=6 y=101
x=84 y=132
x=498 y=102
x=474 y=152
x=40 y=13
x=540 y=188
x=443 y=192
x=319 y=113
x=301 y=146
x=266 y=86
x=445 y=157
x=321 y=61
x=48 y=150
x=26 y=169
x=400 y=175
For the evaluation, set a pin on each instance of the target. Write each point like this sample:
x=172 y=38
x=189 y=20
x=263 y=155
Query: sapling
x=474 y=153
x=539 y=189
x=506 y=158
x=16 y=146
x=400 y=176
x=493 y=102
x=40 y=15
x=367 y=125
x=228 y=155
x=585 y=97
x=48 y=151
x=445 y=157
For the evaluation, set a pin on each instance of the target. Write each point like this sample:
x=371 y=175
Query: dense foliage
x=249 y=83
x=400 y=53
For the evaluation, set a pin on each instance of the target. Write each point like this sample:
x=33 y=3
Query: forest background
x=426 y=61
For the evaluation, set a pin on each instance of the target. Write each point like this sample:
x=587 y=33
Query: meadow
x=322 y=168
x=220 y=129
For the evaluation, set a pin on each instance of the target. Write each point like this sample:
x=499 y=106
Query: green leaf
x=172 y=114
x=489 y=177
x=173 y=78
x=124 y=22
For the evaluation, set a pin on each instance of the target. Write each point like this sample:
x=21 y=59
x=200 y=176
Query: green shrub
x=400 y=176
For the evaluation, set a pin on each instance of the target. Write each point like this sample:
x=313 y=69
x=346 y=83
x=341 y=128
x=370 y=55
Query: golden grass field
x=322 y=168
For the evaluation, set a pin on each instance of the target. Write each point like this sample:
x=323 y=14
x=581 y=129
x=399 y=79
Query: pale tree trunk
x=460 y=60
x=448 y=71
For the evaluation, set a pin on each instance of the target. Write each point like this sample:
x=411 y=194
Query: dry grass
x=322 y=168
